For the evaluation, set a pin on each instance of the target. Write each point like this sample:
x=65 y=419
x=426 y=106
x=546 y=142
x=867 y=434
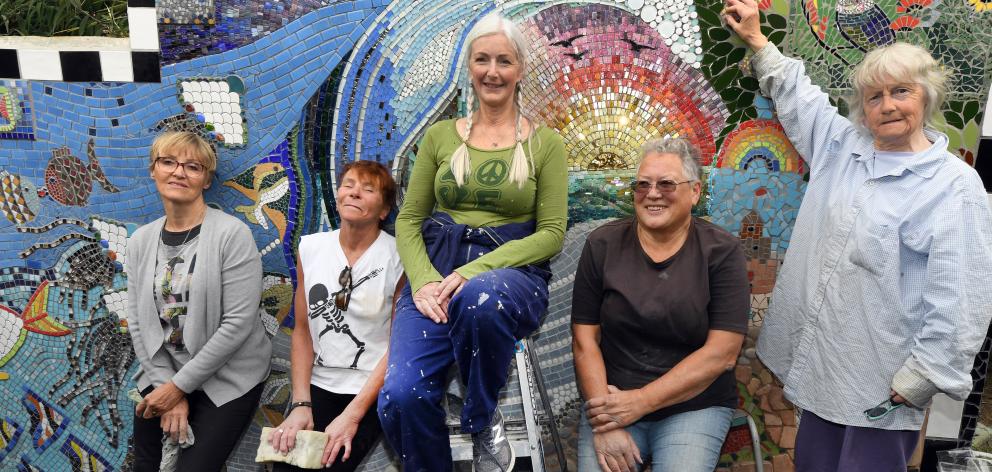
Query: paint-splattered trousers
x=491 y=312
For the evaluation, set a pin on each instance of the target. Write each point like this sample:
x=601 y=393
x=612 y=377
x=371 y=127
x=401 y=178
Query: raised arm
x=804 y=110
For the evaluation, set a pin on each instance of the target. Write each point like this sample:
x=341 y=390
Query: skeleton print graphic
x=321 y=304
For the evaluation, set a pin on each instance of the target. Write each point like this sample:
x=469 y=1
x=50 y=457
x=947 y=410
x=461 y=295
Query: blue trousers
x=822 y=446
x=485 y=319
x=685 y=442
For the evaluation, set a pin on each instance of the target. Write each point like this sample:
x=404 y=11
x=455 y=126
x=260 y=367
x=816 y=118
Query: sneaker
x=491 y=450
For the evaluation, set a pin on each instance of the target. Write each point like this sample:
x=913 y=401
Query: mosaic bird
x=19 y=200
x=14 y=326
x=567 y=43
x=863 y=24
x=634 y=46
x=577 y=55
x=69 y=181
x=266 y=184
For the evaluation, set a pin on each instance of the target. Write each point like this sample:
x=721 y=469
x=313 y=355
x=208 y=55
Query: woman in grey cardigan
x=194 y=285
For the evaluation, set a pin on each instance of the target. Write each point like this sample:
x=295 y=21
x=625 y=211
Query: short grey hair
x=687 y=152
x=902 y=62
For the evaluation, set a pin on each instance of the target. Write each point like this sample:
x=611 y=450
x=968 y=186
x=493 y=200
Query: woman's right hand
x=426 y=301
x=616 y=451
x=744 y=18
x=284 y=436
x=175 y=421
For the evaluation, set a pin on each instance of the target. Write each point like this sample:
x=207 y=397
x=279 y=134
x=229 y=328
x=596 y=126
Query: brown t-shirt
x=654 y=314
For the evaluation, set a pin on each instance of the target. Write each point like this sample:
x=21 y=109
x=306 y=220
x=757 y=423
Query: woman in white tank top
x=347 y=281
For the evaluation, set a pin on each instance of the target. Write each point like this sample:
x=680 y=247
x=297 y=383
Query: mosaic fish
x=69 y=181
x=14 y=327
x=83 y=457
x=265 y=184
x=10 y=111
x=19 y=199
x=10 y=432
x=47 y=421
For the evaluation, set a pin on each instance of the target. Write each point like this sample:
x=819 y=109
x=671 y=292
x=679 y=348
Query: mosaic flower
x=981 y=5
x=905 y=23
x=925 y=12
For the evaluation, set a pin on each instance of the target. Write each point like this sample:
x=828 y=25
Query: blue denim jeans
x=686 y=442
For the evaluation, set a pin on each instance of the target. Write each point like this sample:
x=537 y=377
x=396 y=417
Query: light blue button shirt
x=887 y=283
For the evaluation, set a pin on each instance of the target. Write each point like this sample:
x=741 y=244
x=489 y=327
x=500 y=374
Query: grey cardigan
x=230 y=352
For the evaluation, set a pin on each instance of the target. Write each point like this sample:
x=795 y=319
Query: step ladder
x=524 y=434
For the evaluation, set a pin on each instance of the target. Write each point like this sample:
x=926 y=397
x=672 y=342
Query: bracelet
x=296 y=404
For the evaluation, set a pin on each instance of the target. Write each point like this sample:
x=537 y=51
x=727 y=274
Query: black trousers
x=217 y=430
x=326 y=407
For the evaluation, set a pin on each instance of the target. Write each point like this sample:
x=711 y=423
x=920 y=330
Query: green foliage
x=63 y=18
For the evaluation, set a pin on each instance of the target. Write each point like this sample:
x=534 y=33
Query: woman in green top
x=484 y=211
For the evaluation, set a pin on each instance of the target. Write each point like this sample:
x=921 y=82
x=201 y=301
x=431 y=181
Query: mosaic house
x=289 y=90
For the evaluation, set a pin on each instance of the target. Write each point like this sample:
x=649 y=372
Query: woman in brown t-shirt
x=659 y=311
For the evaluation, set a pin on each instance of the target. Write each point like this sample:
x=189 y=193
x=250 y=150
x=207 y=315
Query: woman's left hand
x=161 y=400
x=450 y=286
x=339 y=435
x=616 y=409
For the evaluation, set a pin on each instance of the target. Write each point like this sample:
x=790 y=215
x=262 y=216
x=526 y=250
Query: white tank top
x=347 y=344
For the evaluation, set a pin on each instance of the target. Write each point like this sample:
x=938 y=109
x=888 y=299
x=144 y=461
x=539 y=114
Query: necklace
x=188 y=231
x=185 y=238
x=494 y=138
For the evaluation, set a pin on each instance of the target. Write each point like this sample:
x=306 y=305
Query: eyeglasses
x=642 y=187
x=169 y=164
x=879 y=411
x=343 y=297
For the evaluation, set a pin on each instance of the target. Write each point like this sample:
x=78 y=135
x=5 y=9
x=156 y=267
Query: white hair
x=521 y=163
x=902 y=62
x=688 y=154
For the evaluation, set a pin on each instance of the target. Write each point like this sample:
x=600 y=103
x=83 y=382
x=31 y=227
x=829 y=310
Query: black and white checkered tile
x=138 y=62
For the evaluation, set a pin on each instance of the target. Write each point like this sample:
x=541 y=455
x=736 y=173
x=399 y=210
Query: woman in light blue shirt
x=882 y=300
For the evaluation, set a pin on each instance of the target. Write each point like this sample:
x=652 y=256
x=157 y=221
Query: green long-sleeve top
x=487 y=198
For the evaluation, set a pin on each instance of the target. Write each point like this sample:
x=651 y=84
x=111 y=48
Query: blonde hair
x=902 y=62
x=522 y=162
x=173 y=140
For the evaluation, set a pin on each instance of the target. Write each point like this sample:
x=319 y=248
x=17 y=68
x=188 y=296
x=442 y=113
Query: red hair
x=377 y=174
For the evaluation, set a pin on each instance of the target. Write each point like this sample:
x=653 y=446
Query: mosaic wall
x=289 y=90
